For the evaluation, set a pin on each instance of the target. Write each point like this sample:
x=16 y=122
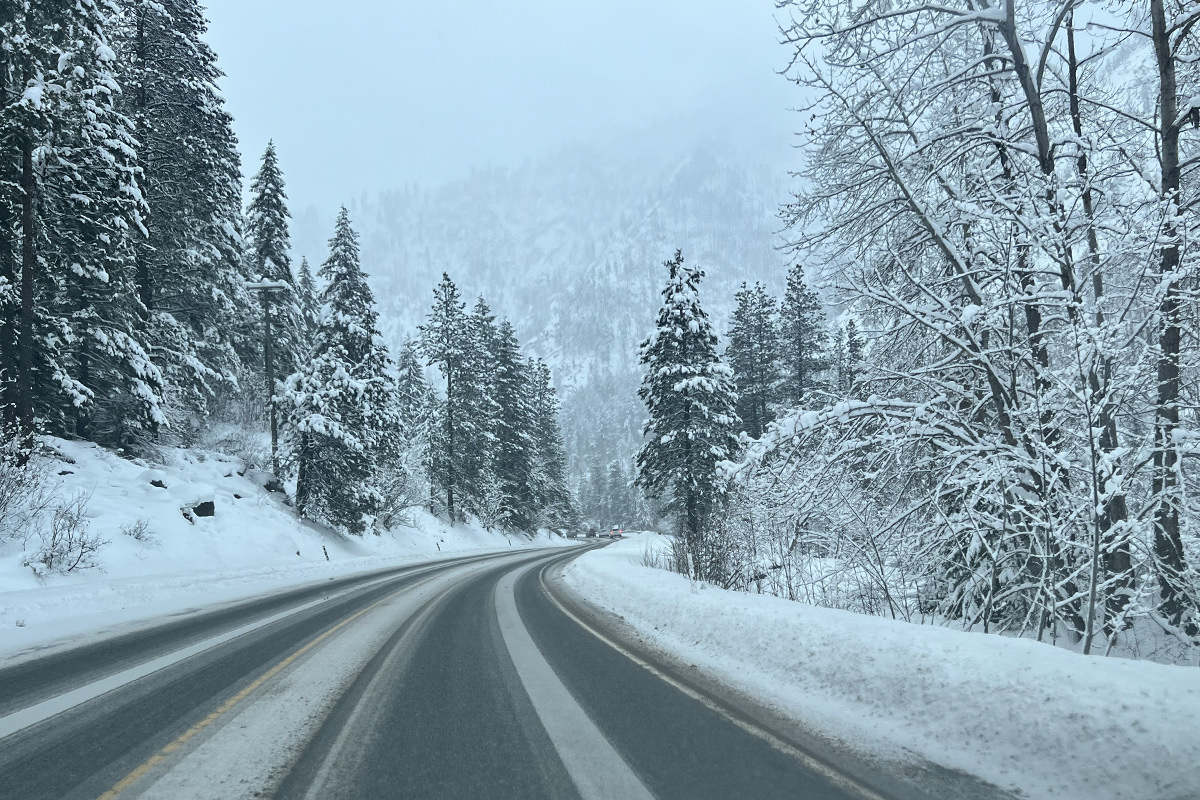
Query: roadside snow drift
x=1025 y=716
x=181 y=559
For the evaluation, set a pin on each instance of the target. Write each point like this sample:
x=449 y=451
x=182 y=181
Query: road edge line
x=824 y=769
x=593 y=764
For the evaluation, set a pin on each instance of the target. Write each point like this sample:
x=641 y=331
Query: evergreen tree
x=689 y=395
x=342 y=416
x=753 y=355
x=482 y=493
x=309 y=299
x=849 y=356
x=414 y=396
x=550 y=460
x=405 y=482
x=189 y=270
x=267 y=223
x=70 y=204
x=446 y=343
x=802 y=339
x=617 y=491
x=592 y=490
x=282 y=332
x=512 y=441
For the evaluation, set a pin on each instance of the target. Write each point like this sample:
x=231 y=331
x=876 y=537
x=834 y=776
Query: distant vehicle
x=616 y=532
x=592 y=533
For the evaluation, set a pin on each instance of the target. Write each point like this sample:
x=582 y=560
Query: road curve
x=466 y=678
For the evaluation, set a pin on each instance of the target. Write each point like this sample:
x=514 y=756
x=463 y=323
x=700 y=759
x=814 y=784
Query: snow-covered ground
x=253 y=543
x=1027 y=717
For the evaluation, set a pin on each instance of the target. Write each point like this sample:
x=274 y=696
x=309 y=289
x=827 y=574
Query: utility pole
x=264 y=288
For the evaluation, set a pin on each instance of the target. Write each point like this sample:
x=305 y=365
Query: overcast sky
x=365 y=95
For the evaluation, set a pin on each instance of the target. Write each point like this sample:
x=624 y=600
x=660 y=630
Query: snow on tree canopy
x=341 y=417
x=689 y=395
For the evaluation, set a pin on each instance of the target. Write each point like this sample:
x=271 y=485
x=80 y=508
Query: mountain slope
x=570 y=248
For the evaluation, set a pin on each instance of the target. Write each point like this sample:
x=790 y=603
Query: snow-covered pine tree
x=753 y=355
x=849 y=357
x=13 y=131
x=689 y=395
x=309 y=299
x=803 y=339
x=69 y=201
x=417 y=409
x=31 y=107
x=550 y=460
x=190 y=275
x=282 y=328
x=591 y=493
x=619 y=497
x=341 y=404
x=415 y=398
x=482 y=493
x=406 y=482
x=513 y=446
x=446 y=343
x=270 y=260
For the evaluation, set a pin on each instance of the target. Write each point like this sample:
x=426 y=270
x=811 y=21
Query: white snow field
x=252 y=544
x=1030 y=718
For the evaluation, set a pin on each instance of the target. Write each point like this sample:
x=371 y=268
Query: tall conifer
x=753 y=355
x=550 y=460
x=446 y=344
x=512 y=441
x=309 y=300
x=267 y=224
x=70 y=206
x=803 y=339
x=342 y=402
x=690 y=398
x=189 y=271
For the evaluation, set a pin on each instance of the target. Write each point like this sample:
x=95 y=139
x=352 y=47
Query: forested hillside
x=142 y=309
x=569 y=245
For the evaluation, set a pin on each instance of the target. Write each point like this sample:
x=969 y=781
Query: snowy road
x=466 y=678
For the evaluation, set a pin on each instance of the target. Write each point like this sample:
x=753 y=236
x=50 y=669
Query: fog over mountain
x=569 y=247
x=547 y=156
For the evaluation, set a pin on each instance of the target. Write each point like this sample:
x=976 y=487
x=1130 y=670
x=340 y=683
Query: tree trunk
x=269 y=358
x=8 y=273
x=1168 y=545
x=1050 y=433
x=25 y=344
x=144 y=282
x=1117 y=560
x=302 y=474
x=450 y=471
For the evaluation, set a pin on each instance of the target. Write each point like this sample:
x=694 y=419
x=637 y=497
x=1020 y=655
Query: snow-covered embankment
x=1027 y=717
x=156 y=560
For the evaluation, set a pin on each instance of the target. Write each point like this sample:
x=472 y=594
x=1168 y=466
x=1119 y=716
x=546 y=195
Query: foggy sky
x=368 y=95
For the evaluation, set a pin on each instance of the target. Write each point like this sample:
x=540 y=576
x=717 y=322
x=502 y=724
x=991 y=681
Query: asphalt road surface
x=468 y=678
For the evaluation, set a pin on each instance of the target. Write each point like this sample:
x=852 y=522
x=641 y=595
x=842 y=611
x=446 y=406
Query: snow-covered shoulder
x=195 y=531
x=1027 y=717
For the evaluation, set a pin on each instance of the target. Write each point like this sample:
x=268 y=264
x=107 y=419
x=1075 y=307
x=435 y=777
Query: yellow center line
x=190 y=733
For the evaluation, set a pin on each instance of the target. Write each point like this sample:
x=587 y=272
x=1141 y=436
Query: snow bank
x=252 y=543
x=1024 y=716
